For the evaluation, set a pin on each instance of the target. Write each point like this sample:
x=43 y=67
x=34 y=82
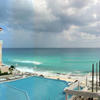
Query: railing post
x=86 y=81
x=66 y=96
x=92 y=77
x=96 y=77
x=98 y=97
x=99 y=73
x=78 y=85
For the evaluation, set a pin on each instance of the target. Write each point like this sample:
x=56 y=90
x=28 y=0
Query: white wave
x=44 y=73
x=25 y=69
x=26 y=61
x=34 y=70
x=36 y=63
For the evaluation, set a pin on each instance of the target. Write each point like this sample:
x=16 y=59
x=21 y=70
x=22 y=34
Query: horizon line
x=52 y=48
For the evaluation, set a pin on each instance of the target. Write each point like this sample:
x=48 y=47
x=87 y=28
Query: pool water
x=33 y=88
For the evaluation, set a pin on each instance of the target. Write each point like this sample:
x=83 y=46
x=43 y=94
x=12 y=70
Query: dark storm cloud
x=4 y=11
x=21 y=14
x=66 y=13
x=49 y=23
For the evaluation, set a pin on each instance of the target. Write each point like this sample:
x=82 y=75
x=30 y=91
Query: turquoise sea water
x=52 y=60
x=33 y=88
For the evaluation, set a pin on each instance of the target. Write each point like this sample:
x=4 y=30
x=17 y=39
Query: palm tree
x=11 y=68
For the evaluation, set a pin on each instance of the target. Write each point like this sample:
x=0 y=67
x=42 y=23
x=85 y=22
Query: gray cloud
x=49 y=23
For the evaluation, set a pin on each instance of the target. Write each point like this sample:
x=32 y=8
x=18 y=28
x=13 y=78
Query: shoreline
x=69 y=77
x=65 y=77
x=21 y=74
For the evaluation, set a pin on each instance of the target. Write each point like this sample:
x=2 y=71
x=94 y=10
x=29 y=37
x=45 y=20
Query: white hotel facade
x=0 y=52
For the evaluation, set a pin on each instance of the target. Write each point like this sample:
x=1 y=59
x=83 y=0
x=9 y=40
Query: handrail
x=25 y=93
x=83 y=93
x=72 y=86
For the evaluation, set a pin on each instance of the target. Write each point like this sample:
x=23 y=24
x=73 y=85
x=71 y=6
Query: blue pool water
x=37 y=88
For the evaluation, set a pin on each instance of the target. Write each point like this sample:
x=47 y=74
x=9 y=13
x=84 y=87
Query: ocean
x=52 y=60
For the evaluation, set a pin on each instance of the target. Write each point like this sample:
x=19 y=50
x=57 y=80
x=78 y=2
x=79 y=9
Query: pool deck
x=66 y=77
x=6 y=78
x=17 y=74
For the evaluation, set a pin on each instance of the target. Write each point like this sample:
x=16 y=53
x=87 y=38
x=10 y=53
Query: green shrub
x=5 y=73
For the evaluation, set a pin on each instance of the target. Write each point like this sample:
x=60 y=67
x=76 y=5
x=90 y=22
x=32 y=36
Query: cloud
x=49 y=23
x=88 y=36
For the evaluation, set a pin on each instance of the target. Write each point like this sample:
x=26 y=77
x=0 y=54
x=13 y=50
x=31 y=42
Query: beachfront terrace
x=4 y=69
x=91 y=89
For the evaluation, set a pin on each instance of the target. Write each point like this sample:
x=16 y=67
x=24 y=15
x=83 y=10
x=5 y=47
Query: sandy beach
x=65 y=77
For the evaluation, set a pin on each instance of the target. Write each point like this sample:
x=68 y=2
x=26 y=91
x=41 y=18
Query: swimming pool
x=33 y=88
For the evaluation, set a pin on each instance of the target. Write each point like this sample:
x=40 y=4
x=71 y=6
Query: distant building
x=0 y=52
x=3 y=68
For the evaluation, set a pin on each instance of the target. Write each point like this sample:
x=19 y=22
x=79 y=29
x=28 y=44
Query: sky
x=50 y=23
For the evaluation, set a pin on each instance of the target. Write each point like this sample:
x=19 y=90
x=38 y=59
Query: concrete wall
x=0 y=53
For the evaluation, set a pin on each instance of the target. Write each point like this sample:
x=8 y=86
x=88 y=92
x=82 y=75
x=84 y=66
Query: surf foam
x=26 y=61
x=42 y=72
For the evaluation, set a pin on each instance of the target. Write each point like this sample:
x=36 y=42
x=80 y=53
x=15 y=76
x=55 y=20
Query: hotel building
x=0 y=52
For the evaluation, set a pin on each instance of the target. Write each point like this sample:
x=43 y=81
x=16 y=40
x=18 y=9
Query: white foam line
x=44 y=73
x=26 y=61
x=33 y=70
